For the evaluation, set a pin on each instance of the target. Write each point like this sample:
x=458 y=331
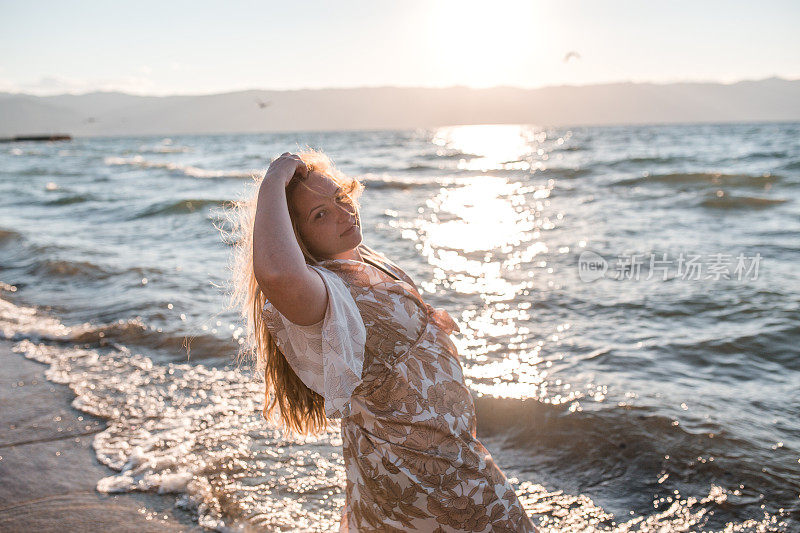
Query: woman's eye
x=343 y=199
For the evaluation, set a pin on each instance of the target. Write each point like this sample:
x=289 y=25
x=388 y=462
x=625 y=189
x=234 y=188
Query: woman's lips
x=351 y=228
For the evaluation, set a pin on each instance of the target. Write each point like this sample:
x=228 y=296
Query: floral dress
x=384 y=363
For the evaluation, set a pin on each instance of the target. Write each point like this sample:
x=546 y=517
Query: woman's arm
x=295 y=290
x=275 y=250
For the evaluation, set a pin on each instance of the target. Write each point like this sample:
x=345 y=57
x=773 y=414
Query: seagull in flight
x=571 y=55
x=262 y=104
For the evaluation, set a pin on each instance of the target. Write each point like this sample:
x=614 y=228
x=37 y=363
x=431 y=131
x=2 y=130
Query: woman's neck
x=353 y=255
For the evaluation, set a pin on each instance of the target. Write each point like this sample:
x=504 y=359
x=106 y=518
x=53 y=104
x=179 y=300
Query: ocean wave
x=519 y=169
x=392 y=182
x=546 y=428
x=746 y=304
x=20 y=151
x=562 y=172
x=186 y=170
x=7 y=235
x=629 y=446
x=190 y=430
x=419 y=171
x=54 y=170
x=448 y=154
x=71 y=199
x=134 y=332
x=180 y=207
x=727 y=201
x=53 y=267
x=62 y=268
x=649 y=160
x=197 y=432
x=772 y=345
x=573 y=148
x=26 y=323
x=164 y=149
x=753 y=157
x=705 y=178
x=416 y=167
x=757 y=156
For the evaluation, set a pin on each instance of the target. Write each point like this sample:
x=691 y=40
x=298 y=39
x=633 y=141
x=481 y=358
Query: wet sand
x=48 y=468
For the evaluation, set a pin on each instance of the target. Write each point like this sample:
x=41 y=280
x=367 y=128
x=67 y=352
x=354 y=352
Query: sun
x=483 y=44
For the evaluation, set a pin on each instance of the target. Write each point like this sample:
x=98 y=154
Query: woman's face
x=325 y=219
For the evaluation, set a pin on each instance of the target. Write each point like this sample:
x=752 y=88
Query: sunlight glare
x=483 y=43
x=495 y=146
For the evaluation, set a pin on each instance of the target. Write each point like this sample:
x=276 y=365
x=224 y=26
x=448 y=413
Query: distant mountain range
x=114 y=113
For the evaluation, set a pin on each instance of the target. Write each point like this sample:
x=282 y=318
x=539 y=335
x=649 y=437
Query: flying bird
x=90 y=120
x=571 y=55
x=262 y=104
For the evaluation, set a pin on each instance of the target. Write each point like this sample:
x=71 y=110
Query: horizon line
x=363 y=87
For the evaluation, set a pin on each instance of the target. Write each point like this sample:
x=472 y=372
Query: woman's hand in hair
x=285 y=167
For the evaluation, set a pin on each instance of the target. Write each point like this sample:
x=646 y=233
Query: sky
x=203 y=47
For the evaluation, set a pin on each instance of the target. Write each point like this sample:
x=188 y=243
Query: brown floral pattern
x=411 y=455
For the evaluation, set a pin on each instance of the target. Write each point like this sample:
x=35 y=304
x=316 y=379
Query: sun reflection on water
x=491 y=237
x=486 y=237
x=496 y=146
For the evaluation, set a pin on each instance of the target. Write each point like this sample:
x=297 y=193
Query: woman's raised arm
x=296 y=291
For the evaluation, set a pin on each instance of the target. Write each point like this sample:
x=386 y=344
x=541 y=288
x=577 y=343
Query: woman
x=342 y=332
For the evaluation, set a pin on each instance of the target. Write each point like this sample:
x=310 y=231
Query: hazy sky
x=196 y=47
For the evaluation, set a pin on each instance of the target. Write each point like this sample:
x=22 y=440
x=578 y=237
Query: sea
x=627 y=296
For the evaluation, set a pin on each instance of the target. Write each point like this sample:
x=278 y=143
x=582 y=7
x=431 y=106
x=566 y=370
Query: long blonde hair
x=301 y=409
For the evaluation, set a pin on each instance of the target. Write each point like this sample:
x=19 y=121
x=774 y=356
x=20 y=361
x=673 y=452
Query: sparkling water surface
x=627 y=299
